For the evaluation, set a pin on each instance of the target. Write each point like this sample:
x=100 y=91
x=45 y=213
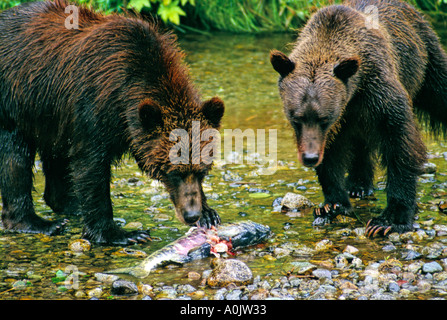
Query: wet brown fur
x=361 y=88
x=82 y=98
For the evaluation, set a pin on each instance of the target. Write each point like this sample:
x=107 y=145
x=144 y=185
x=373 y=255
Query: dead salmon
x=199 y=243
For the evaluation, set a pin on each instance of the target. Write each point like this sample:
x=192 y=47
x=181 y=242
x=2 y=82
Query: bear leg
x=331 y=174
x=91 y=184
x=16 y=183
x=209 y=216
x=58 y=194
x=359 y=182
x=403 y=154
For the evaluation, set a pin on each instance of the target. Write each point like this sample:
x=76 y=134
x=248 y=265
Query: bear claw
x=116 y=236
x=362 y=193
x=325 y=214
x=373 y=230
x=209 y=218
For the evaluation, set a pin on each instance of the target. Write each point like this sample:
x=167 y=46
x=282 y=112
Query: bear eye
x=174 y=177
x=297 y=118
x=324 y=123
x=297 y=124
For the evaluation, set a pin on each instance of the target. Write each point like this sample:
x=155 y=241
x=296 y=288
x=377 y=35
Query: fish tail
x=137 y=272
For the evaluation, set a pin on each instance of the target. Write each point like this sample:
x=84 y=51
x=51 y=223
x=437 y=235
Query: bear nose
x=310 y=159
x=191 y=217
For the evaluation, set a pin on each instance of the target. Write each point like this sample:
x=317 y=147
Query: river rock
x=429 y=167
x=124 y=287
x=79 y=245
x=294 y=201
x=106 y=278
x=351 y=249
x=431 y=267
x=299 y=267
x=322 y=274
x=324 y=244
x=134 y=225
x=229 y=271
x=95 y=293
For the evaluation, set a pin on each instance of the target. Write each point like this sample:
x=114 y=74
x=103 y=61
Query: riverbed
x=298 y=262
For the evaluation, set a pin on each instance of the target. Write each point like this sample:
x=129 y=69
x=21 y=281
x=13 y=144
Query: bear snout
x=191 y=217
x=188 y=200
x=310 y=159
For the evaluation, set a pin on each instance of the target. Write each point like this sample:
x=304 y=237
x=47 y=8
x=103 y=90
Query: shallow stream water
x=236 y=68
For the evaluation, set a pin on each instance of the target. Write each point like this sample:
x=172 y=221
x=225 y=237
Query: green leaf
x=171 y=13
x=192 y=2
x=138 y=4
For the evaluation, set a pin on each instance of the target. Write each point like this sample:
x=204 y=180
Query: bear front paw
x=209 y=218
x=115 y=236
x=35 y=224
x=326 y=214
x=380 y=226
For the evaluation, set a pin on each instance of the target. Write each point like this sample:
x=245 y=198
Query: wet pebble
x=294 y=201
x=229 y=271
x=79 y=245
x=192 y=275
x=322 y=274
x=323 y=245
x=299 y=267
x=411 y=255
x=134 y=225
x=233 y=294
x=441 y=230
x=431 y=267
x=162 y=217
x=95 y=293
x=185 y=288
x=165 y=293
x=106 y=278
x=351 y=249
x=123 y=287
x=389 y=248
x=429 y=168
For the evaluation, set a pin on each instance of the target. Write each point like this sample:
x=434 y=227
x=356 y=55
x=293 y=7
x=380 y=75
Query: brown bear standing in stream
x=81 y=98
x=357 y=75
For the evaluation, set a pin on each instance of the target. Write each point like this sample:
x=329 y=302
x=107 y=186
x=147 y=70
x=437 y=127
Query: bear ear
x=150 y=114
x=213 y=110
x=281 y=63
x=346 y=68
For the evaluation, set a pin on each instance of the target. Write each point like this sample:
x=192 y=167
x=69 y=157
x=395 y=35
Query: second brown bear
x=351 y=86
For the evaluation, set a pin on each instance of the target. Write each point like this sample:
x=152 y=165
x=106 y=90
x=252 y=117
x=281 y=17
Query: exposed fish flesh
x=199 y=243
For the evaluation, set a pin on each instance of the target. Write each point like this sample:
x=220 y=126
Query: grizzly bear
x=351 y=87
x=81 y=97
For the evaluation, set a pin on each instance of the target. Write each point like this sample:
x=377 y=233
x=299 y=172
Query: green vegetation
x=231 y=15
x=255 y=15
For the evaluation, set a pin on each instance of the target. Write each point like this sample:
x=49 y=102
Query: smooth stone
x=230 y=271
x=295 y=201
x=322 y=274
x=323 y=245
x=124 y=287
x=431 y=267
x=80 y=245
